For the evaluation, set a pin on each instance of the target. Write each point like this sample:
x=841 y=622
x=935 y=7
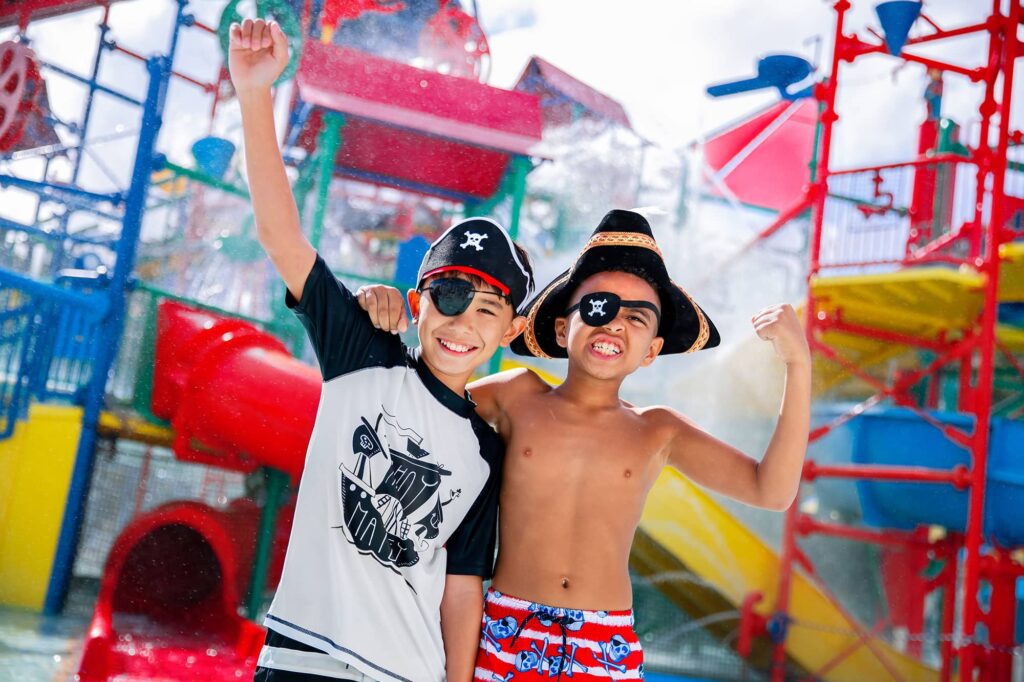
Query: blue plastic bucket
x=897 y=437
x=213 y=155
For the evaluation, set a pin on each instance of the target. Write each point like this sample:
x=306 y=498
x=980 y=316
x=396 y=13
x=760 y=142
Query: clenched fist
x=257 y=54
x=779 y=324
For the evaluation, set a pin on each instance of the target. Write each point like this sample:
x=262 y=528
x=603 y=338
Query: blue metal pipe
x=105 y=348
x=297 y=121
x=39 y=204
x=93 y=84
x=181 y=20
x=18 y=399
x=55 y=236
x=95 y=306
x=60 y=191
x=85 y=81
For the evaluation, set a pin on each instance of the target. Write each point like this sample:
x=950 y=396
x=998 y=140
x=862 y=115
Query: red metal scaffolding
x=969 y=345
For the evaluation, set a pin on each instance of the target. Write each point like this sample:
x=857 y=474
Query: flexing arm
x=773 y=482
x=257 y=56
x=462 y=610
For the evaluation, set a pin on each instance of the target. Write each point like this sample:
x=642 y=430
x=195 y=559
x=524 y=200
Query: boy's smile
x=459 y=349
x=454 y=346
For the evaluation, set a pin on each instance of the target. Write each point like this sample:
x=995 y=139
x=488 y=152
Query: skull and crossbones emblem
x=596 y=307
x=537 y=658
x=496 y=630
x=613 y=652
x=473 y=239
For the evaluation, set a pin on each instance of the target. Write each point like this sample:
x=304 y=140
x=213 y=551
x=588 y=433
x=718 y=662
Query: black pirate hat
x=481 y=247
x=623 y=240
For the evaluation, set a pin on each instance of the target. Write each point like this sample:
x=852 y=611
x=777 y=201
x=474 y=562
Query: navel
x=627 y=473
x=527 y=452
x=565 y=583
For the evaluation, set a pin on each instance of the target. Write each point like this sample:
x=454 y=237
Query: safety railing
x=47 y=334
x=892 y=216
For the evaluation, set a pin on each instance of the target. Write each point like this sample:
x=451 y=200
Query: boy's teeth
x=457 y=347
x=606 y=348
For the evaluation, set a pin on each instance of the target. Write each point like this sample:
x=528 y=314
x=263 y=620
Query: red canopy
x=406 y=127
x=763 y=160
x=564 y=97
x=11 y=10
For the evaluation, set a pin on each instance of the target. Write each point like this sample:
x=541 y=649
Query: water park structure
x=139 y=316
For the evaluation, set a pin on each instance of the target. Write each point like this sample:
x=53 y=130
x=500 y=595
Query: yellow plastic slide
x=683 y=524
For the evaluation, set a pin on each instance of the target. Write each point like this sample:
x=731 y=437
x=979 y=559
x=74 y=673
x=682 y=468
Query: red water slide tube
x=234 y=395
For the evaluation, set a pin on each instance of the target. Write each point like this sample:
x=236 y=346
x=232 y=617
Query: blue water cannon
x=896 y=18
x=781 y=71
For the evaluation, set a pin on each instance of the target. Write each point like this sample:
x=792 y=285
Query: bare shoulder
x=673 y=422
x=518 y=380
x=495 y=393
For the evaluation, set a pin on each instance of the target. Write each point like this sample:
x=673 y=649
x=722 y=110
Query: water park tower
x=915 y=276
x=138 y=321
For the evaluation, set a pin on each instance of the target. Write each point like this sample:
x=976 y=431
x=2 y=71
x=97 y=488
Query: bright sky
x=655 y=57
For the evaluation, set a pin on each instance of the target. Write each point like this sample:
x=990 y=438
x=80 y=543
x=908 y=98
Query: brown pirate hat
x=623 y=240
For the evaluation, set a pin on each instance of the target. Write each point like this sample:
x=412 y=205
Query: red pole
x=948 y=615
x=1007 y=51
x=999 y=570
x=819 y=193
x=959 y=476
x=982 y=153
x=920 y=161
x=807 y=525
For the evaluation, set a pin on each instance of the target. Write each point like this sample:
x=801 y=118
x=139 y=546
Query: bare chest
x=548 y=442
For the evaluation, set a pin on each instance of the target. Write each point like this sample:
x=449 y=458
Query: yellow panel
x=1011 y=272
x=917 y=301
x=134 y=427
x=35 y=470
x=1011 y=337
x=686 y=522
x=863 y=352
x=546 y=376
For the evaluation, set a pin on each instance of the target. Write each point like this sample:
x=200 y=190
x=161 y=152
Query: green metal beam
x=520 y=168
x=209 y=180
x=276 y=486
x=327 y=146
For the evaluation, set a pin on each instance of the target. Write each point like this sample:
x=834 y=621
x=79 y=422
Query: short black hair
x=629 y=270
x=636 y=272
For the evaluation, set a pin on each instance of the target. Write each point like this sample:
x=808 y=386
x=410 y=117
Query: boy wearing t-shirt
x=396 y=516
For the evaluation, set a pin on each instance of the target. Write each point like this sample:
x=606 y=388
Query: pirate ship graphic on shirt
x=390 y=499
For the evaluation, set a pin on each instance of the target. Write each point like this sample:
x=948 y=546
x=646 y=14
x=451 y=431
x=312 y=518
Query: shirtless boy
x=581 y=461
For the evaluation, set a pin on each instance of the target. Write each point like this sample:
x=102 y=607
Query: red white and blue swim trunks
x=523 y=641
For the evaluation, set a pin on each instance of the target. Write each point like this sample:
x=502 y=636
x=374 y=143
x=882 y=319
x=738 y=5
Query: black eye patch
x=601 y=307
x=452 y=296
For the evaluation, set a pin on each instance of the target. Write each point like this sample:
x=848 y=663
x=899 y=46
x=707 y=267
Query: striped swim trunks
x=523 y=641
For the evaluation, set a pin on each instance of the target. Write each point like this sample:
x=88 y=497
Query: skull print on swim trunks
x=523 y=641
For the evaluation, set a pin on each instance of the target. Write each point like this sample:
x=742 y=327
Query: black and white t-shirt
x=400 y=487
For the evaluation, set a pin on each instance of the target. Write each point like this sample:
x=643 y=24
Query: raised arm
x=258 y=54
x=773 y=482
